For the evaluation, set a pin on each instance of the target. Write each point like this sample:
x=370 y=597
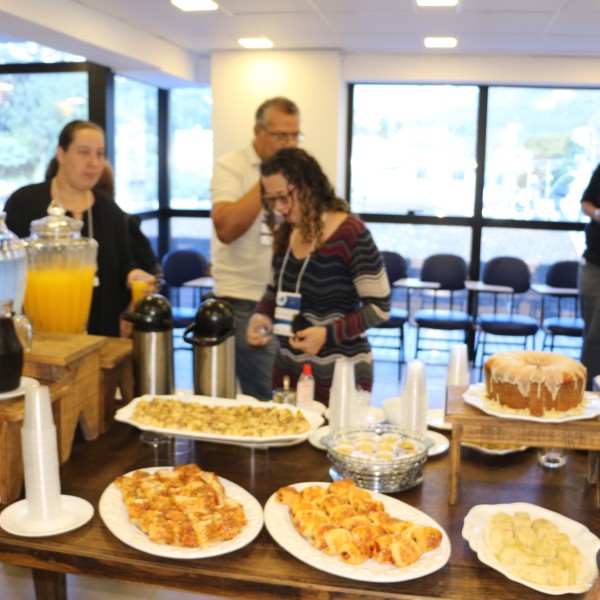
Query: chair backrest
x=563 y=274
x=180 y=266
x=509 y=271
x=449 y=270
x=395 y=265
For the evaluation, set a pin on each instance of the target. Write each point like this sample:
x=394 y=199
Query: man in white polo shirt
x=241 y=246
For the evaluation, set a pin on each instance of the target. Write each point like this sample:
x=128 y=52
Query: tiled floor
x=15 y=582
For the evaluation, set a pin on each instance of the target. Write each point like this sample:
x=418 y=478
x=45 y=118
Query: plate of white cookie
x=536 y=547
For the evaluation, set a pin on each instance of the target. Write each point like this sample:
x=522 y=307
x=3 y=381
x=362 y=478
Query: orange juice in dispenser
x=60 y=278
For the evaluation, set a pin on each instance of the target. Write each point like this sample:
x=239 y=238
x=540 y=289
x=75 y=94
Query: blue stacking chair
x=446 y=313
x=504 y=321
x=178 y=267
x=567 y=322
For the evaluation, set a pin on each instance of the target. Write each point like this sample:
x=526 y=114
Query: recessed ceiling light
x=191 y=5
x=437 y=3
x=6 y=87
x=257 y=42
x=440 y=42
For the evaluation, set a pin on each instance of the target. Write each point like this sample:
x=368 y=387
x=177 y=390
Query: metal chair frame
x=396 y=268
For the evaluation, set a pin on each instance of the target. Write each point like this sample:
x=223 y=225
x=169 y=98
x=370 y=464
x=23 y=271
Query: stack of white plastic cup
x=414 y=398
x=40 y=456
x=342 y=397
x=458 y=366
x=458 y=369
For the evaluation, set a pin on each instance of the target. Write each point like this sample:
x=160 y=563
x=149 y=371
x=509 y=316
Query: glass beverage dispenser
x=60 y=278
x=13 y=266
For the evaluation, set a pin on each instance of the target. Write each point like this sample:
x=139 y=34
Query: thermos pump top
x=151 y=313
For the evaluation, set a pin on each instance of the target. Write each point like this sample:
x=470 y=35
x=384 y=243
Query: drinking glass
x=552 y=458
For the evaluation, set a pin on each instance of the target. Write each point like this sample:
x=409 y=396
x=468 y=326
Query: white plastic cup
x=458 y=366
x=342 y=397
x=41 y=471
x=414 y=398
x=552 y=458
x=38 y=408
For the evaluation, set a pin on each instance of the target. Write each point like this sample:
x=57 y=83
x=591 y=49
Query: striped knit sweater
x=345 y=289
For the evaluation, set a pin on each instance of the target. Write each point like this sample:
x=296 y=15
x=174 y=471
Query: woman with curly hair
x=328 y=284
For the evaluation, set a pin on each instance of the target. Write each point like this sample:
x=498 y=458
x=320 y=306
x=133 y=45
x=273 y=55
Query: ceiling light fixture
x=193 y=5
x=440 y=42
x=257 y=42
x=437 y=3
x=6 y=87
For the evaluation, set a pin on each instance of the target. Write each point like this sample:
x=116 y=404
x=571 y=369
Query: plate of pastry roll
x=348 y=531
x=536 y=547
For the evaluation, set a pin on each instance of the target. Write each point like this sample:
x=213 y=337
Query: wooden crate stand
x=116 y=372
x=74 y=361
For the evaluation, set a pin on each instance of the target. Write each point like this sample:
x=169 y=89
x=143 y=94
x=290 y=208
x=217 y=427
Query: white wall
x=534 y=70
x=241 y=81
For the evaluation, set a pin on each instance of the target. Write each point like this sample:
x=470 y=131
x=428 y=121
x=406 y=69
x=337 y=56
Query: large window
x=542 y=145
x=136 y=145
x=413 y=149
x=416 y=242
x=34 y=107
x=25 y=52
x=191 y=147
x=415 y=179
x=192 y=233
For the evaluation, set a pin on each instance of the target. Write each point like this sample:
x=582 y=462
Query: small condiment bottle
x=288 y=395
x=305 y=388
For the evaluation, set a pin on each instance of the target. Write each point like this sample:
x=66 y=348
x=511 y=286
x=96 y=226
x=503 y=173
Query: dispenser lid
x=152 y=313
x=56 y=224
x=214 y=323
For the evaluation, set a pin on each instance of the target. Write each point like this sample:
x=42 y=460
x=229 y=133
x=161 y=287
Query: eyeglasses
x=281 y=198
x=282 y=136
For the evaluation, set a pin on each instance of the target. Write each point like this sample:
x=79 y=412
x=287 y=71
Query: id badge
x=286 y=308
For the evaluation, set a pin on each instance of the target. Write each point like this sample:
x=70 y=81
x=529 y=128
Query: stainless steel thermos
x=152 y=345
x=214 y=349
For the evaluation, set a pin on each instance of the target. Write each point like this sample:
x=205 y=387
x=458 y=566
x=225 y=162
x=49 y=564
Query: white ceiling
x=154 y=37
x=531 y=27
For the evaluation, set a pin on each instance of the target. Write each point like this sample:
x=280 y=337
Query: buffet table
x=262 y=569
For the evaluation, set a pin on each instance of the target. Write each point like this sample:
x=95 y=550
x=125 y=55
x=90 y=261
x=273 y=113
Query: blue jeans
x=253 y=366
x=589 y=292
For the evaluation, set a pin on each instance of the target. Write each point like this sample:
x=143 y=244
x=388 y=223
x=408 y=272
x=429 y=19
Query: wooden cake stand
x=470 y=424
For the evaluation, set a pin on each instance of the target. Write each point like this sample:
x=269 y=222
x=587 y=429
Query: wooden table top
x=477 y=426
x=262 y=569
x=62 y=348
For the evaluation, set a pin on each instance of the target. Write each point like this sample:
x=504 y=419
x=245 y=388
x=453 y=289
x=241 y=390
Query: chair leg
x=400 y=352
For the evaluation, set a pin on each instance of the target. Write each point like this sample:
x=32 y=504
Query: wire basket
x=380 y=458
